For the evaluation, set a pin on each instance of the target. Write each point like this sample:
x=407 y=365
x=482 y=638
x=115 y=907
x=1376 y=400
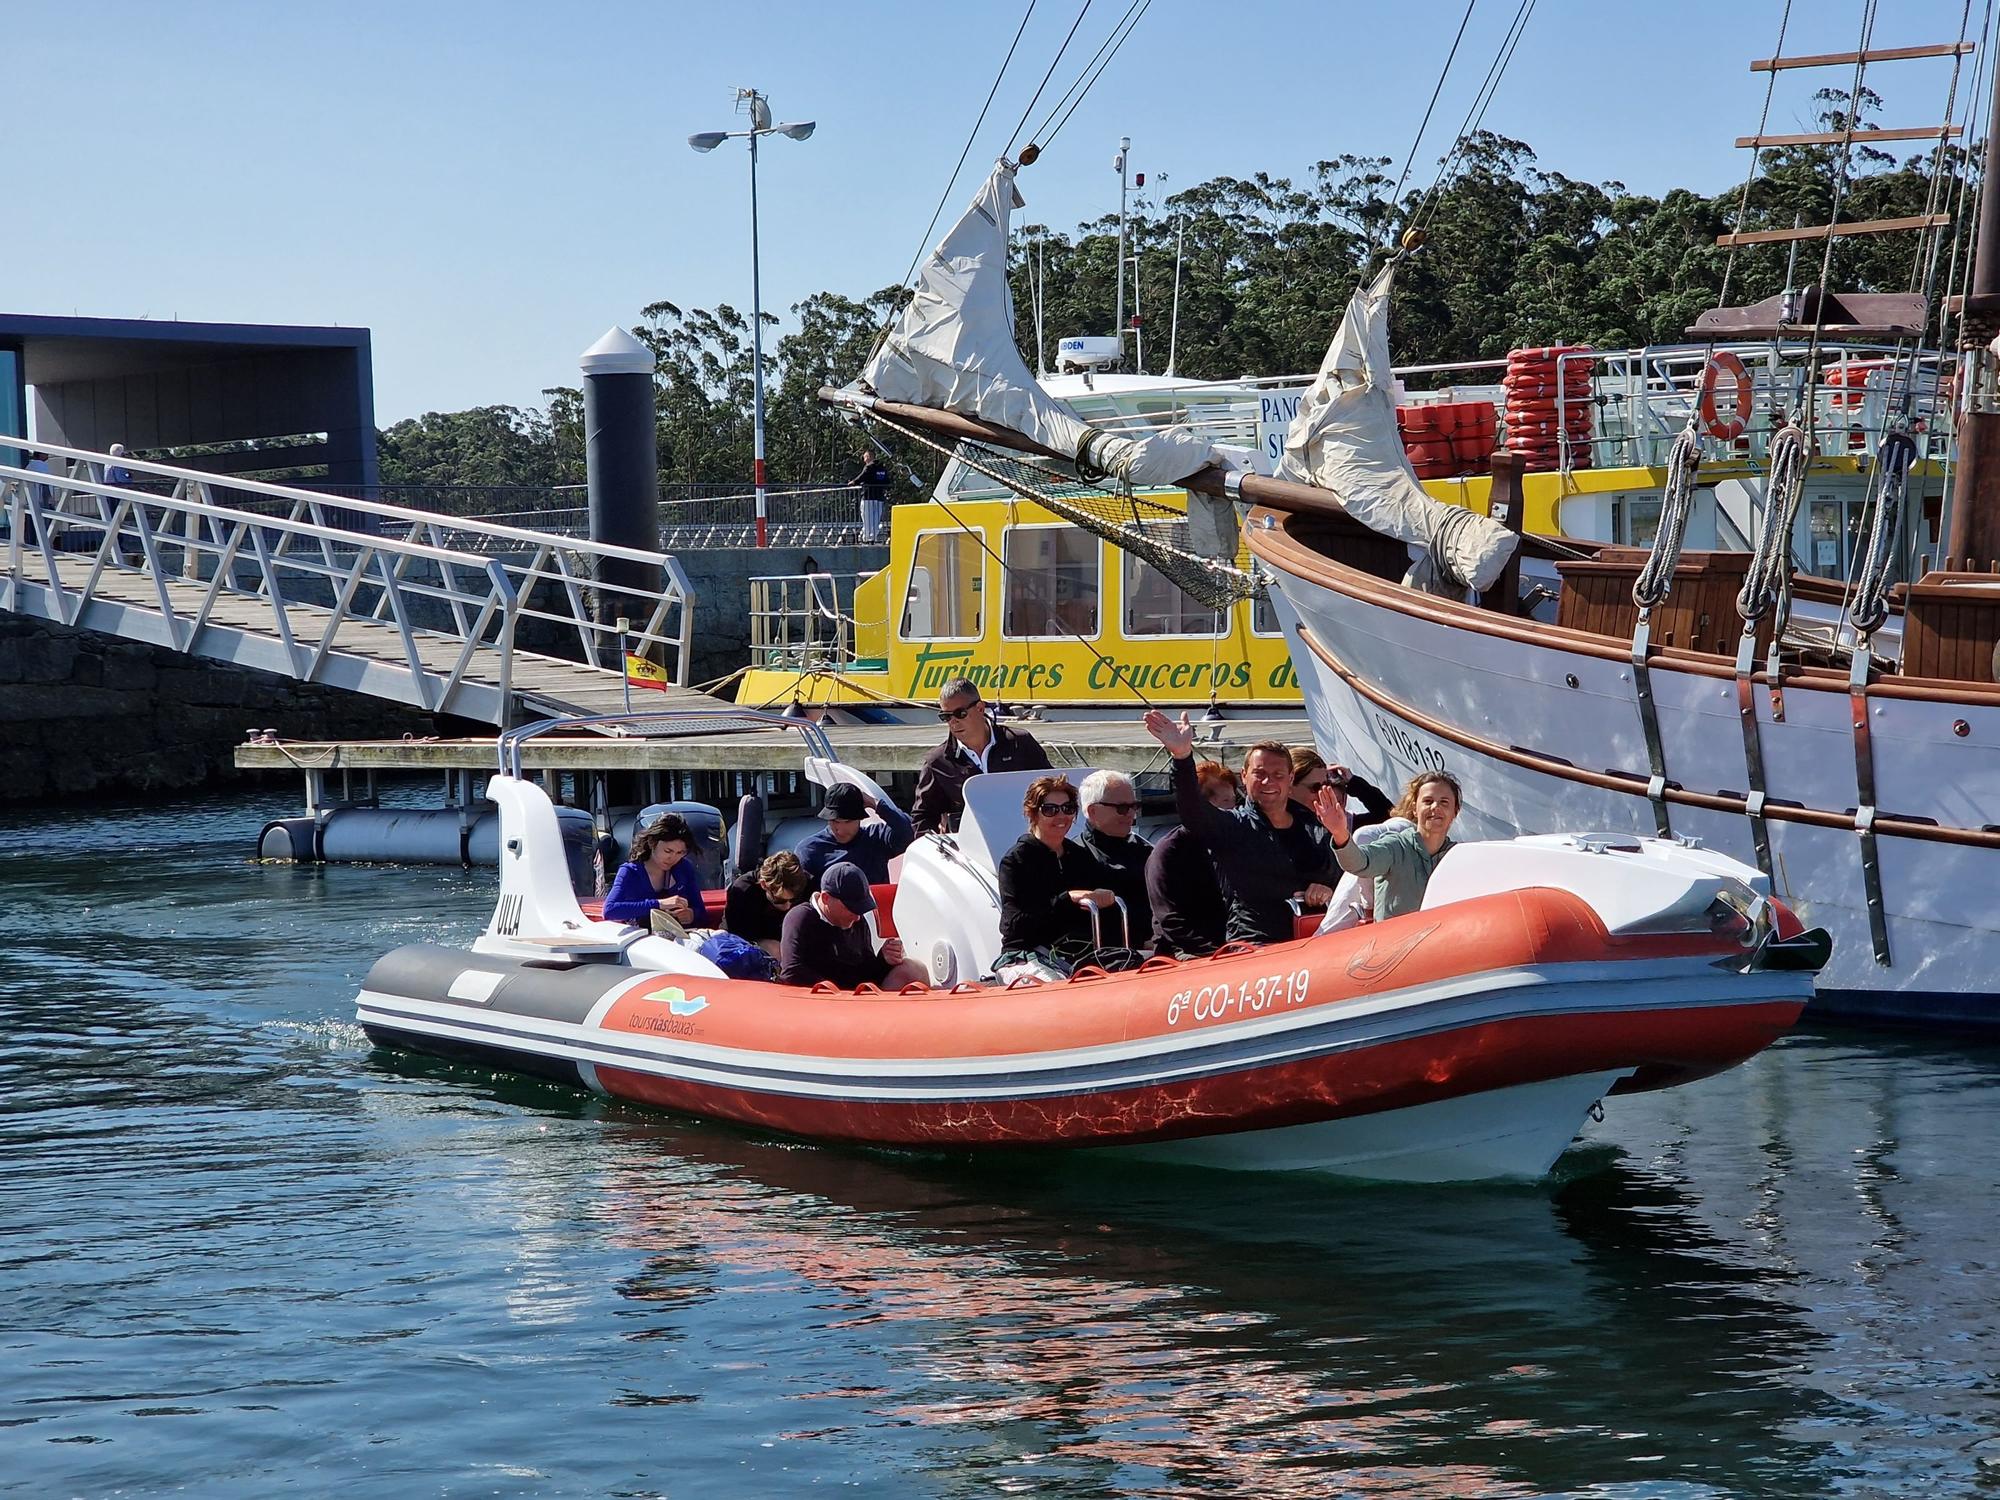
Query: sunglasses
x=1119 y=807
x=1309 y=787
x=1056 y=809
x=953 y=715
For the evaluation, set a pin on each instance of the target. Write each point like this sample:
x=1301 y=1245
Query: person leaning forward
x=974 y=741
x=826 y=938
x=1268 y=852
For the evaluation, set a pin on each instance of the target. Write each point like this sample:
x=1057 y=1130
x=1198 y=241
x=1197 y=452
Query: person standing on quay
x=873 y=477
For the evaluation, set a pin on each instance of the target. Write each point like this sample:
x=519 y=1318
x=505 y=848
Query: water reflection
x=1217 y=1333
x=232 y=1234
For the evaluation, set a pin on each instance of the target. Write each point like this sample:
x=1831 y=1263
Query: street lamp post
x=707 y=140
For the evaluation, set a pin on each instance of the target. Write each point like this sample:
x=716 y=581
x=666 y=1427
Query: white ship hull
x=1395 y=683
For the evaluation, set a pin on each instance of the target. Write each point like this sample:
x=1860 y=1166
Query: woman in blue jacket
x=660 y=877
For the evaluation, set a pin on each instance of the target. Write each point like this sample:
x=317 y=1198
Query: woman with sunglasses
x=1048 y=883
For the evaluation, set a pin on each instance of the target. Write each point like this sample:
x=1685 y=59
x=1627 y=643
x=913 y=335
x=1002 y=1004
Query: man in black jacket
x=974 y=742
x=1110 y=808
x=1267 y=851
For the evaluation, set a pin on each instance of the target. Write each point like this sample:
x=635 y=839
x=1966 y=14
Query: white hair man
x=1110 y=809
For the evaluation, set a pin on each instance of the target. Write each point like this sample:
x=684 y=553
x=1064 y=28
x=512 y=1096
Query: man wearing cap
x=974 y=741
x=846 y=837
x=826 y=938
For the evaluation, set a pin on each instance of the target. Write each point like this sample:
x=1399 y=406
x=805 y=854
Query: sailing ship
x=1845 y=738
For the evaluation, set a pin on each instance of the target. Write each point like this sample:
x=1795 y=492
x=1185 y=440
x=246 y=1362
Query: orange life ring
x=1716 y=427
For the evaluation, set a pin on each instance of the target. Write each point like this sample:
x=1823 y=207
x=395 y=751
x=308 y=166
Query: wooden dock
x=1120 y=744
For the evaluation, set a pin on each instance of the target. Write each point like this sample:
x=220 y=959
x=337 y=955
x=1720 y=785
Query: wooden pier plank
x=1117 y=744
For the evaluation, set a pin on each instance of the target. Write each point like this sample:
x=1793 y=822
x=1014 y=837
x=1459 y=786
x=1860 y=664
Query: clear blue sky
x=490 y=184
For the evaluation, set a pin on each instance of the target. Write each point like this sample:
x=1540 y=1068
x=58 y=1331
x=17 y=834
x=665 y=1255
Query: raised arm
x=1371 y=797
x=1177 y=739
x=1330 y=807
x=902 y=832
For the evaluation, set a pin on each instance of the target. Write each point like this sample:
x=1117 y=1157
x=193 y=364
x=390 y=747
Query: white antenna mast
x=1122 y=166
x=1174 y=323
x=1038 y=283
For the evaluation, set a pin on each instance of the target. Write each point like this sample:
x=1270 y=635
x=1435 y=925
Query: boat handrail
x=509 y=743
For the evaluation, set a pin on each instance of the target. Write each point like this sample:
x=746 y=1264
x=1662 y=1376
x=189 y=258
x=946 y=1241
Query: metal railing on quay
x=800 y=621
x=410 y=570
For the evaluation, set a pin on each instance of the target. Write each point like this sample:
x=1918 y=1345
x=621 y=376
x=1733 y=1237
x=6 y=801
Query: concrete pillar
x=621 y=453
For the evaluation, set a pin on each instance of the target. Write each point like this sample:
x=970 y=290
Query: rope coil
x=1893 y=461
x=1769 y=577
x=1676 y=505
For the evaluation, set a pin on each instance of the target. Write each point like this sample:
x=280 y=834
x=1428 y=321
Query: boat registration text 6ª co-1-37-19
x=1251 y=997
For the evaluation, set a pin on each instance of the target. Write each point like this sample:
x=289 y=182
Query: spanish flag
x=640 y=672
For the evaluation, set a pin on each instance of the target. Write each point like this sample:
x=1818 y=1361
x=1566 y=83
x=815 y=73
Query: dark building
x=154 y=385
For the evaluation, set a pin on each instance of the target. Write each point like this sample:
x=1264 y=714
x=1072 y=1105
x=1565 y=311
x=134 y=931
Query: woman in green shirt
x=1401 y=863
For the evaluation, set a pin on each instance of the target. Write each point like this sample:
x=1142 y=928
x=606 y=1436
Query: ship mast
x=1974 y=538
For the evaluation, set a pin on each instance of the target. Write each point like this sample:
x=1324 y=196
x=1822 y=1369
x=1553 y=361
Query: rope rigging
x=962 y=452
x=1676 y=505
x=1416 y=141
x=1475 y=116
x=1768 y=580
x=1054 y=62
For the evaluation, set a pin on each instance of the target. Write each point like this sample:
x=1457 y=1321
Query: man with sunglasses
x=974 y=741
x=1110 y=809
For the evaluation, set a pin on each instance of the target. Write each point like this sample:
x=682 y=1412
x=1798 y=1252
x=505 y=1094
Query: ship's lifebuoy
x=1715 y=426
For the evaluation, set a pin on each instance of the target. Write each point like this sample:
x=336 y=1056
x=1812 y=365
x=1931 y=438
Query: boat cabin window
x=1264 y=616
x=945 y=595
x=1154 y=603
x=1054 y=577
x=1635 y=520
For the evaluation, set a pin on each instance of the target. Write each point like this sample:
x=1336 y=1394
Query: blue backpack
x=737 y=957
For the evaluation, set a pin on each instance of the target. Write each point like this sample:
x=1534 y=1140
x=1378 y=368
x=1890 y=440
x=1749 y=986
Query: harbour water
x=241 y=1253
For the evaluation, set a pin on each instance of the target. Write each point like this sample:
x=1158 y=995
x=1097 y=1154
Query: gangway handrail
x=509 y=742
x=372 y=575
x=317 y=498
x=209 y=510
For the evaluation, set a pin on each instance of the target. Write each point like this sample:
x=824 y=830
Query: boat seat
x=746 y=835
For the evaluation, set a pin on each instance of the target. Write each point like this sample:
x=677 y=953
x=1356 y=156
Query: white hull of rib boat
x=1514 y=1133
x=1531 y=721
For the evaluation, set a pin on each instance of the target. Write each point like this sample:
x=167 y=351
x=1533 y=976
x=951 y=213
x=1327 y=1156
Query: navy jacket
x=875 y=844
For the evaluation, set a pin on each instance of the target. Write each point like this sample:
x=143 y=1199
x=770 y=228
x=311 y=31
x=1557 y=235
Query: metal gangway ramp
x=487 y=622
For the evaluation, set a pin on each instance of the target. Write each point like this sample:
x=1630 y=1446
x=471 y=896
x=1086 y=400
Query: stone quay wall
x=89 y=716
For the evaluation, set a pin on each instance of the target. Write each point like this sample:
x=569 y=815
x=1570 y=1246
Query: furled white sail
x=1344 y=439
x=954 y=348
